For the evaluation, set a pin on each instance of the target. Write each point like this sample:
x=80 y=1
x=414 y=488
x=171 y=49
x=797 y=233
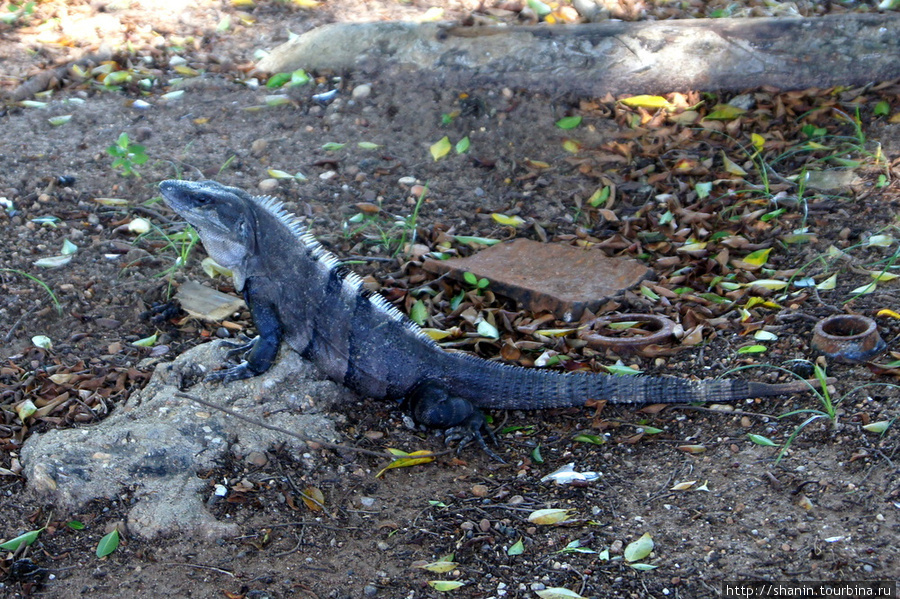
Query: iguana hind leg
x=434 y=406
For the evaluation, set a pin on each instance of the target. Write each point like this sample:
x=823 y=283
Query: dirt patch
x=828 y=510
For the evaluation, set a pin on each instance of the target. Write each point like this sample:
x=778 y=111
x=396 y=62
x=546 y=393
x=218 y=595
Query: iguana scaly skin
x=299 y=293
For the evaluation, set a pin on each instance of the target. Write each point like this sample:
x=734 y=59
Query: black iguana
x=300 y=293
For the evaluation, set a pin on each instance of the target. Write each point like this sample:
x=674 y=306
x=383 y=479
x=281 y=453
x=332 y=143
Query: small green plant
x=127 y=155
x=181 y=243
x=394 y=235
x=46 y=287
x=477 y=284
x=827 y=412
x=17 y=12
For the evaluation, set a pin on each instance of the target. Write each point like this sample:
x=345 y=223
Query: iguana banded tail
x=299 y=293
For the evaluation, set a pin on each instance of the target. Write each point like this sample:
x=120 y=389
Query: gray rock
x=613 y=57
x=155 y=444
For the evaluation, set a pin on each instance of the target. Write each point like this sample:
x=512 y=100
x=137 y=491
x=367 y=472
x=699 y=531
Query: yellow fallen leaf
x=732 y=167
x=437 y=334
x=313 y=498
x=880 y=241
x=878 y=427
x=828 y=284
x=889 y=313
x=445 y=585
x=537 y=164
x=758 y=258
x=725 y=112
x=864 y=289
x=644 y=101
x=405 y=460
x=692 y=247
x=772 y=284
x=555 y=332
x=758 y=301
x=186 y=71
x=558 y=593
x=758 y=141
x=440 y=148
x=511 y=221
x=439 y=567
x=638 y=550
x=548 y=516
x=683 y=486
x=571 y=146
x=882 y=276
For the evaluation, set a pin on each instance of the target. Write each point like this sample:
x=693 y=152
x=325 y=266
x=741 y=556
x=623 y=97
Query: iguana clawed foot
x=257 y=353
x=239 y=348
x=433 y=406
x=236 y=373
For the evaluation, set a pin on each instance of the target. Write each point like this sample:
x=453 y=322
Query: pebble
x=256 y=458
x=407 y=181
x=743 y=101
x=258 y=147
x=159 y=350
x=268 y=185
x=361 y=91
x=370 y=590
x=328 y=175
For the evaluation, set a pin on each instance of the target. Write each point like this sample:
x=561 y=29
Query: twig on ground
x=326 y=444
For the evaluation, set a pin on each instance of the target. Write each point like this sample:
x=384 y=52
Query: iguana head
x=223 y=217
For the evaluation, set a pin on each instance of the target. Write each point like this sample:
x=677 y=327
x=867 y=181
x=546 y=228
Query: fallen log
x=614 y=57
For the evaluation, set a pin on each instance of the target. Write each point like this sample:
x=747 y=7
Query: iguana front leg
x=434 y=406
x=260 y=352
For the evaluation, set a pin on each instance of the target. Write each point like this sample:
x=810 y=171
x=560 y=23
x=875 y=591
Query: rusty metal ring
x=847 y=337
x=663 y=330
